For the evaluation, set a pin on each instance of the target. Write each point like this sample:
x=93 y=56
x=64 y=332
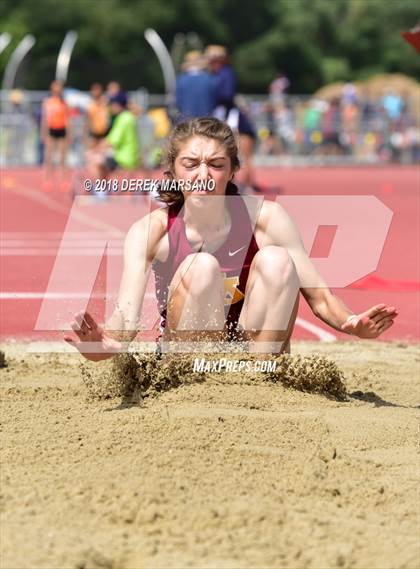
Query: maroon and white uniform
x=235 y=256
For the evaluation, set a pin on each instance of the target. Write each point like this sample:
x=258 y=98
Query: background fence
x=292 y=129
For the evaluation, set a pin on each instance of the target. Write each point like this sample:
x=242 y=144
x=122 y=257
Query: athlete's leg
x=64 y=174
x=271 y=301
x=49 y=151
x=96 y=164
x=195 y=308
x=62 y=144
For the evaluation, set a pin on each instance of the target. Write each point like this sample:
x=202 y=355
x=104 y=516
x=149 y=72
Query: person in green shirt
x=120 y=148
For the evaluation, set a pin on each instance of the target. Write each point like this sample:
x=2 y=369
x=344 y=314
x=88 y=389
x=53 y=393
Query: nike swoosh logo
x=232 y=253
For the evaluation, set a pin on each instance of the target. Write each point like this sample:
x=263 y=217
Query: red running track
x=32 y=223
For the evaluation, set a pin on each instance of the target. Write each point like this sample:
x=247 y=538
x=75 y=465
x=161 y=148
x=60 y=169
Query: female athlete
x=226 y=267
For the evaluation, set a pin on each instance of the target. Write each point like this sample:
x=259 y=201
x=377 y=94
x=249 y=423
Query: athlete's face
x=56 y=88
x=96 y=92
x=202 y=159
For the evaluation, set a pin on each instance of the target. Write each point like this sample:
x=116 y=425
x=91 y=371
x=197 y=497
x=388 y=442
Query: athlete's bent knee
x=275 y=261
x=200 y=272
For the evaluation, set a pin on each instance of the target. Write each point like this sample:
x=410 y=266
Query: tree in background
x=313 y=41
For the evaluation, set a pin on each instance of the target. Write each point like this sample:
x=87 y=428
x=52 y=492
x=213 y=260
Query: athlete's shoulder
x=276 y=224
x=159 y=218
x=47 y=102
x=146 y=233
x=272 y=210
x=155 y=221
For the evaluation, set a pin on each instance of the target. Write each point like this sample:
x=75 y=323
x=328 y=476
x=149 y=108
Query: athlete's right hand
x=89 y=332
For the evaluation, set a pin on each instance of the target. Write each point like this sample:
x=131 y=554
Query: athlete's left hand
x=372 y=323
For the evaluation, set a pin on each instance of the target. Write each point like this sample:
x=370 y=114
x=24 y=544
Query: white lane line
x=45 y=295
x=47 y=347
x=78 y=215
x=54 y=252
x=320 y=333
x=54 y=295
x=10 y=243
x=50 y=234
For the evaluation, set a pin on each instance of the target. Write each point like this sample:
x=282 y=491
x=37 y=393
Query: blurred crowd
x=348 y=123
x=107 y=129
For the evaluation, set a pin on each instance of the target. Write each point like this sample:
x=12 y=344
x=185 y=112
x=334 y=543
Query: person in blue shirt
x=225 y=85
x=393 y=105
x=223 y=76
x=194 y=88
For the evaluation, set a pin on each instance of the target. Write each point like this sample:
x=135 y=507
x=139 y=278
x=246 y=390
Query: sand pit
x=232 y=470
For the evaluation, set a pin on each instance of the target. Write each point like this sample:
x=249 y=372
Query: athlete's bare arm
x=142 y=244
x=274 y=227
x=140 y=249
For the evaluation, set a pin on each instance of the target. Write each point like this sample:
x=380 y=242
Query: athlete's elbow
x=318 y=309
x=320 y=305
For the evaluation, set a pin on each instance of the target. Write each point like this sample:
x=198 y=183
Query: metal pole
x=5 y=39
x=177 y=49
x=15 y=60
x=194 y=41
x=165 y=61
x=63 y=60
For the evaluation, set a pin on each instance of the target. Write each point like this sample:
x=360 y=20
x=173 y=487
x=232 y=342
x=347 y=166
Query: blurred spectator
x=367 y=110
x=16 y=119
x=55 y=131
x=278 y=87
x=349 y=95
x=40 y=147
x=312 y=115
x=123 y=135
x=113 y=89
x=236 y=116
x=270 y=143
x=97 y=115
x=285 y=126
x=120 y=148
x=393 y=105
x=194 y=88
x=352 y=122
x=224 y=83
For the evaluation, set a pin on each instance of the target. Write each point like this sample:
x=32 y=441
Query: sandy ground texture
x=212 y=470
